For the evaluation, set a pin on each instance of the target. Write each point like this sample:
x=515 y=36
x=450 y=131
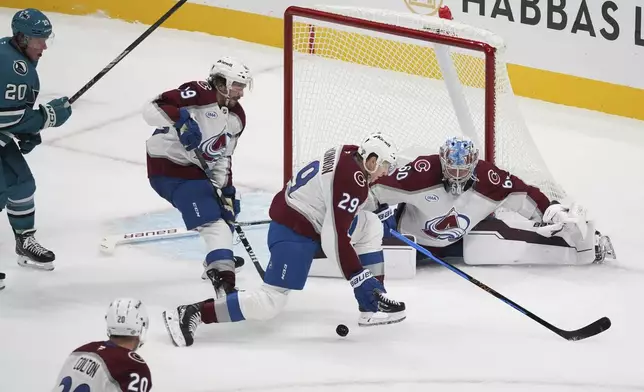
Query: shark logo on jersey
x=215 y=147
x=20 y=67
x=450 y=227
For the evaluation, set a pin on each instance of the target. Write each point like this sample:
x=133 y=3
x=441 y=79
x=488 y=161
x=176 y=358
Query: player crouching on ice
x=447 y=201
x=205 y=115
x=320 y=206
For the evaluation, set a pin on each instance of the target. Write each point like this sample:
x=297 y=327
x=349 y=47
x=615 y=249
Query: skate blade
x=171 y=322
x=378 y=319
x=24 y=261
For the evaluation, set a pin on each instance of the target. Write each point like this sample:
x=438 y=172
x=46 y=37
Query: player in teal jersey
x=21 y=121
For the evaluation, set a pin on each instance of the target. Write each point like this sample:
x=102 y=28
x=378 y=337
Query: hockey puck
x=342 y=330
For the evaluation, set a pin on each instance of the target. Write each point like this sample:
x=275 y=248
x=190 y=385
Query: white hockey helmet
x=127 y=317
x=383 y=147
x=233 y=71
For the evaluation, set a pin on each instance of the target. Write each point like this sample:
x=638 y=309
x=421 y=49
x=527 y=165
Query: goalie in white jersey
x=320 y=206
x=446 y=201
x=111 y=365
x=203 y=114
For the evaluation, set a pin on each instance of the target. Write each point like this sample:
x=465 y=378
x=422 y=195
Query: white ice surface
x=92 y=181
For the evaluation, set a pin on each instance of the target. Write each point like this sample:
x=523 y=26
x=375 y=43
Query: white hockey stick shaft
x=109 y=243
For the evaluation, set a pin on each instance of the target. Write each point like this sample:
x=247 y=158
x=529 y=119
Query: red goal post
x=351 y=71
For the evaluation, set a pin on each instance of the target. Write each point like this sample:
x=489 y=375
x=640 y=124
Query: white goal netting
x=349 y=81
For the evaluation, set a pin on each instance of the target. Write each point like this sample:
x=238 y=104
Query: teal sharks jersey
x=19 y=87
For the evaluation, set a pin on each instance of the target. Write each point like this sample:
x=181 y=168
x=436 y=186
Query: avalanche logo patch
x=422 y=165
x=493 y=177
x=204 y=85
x=20 y=67
x=215 y=147
x=135 y=357
x=359 y=178
x=450 y=227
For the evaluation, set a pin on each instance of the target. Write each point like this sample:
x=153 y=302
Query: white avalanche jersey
x=436 y=217
x=103 y=367
x=321 y=200
x=221 y=127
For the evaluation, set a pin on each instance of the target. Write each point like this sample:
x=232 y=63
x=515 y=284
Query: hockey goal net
x=353 y=71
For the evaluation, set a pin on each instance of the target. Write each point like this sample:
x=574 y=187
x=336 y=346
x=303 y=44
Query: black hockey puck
x=342 y=330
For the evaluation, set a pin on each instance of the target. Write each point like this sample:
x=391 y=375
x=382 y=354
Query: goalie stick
x=592 y=329
x=127 y=51
x=110 y=242
x=222 y=203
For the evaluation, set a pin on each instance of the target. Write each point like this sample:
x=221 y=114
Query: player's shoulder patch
x=20 y=67
x=204 y=85
x=487 y=172
x=360 y=179
x=135 y=357
x=492 y=181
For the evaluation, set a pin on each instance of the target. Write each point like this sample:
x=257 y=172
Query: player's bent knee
x=264 y=303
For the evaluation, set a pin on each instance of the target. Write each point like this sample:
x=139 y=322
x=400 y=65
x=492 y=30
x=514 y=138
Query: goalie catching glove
x=557 y=217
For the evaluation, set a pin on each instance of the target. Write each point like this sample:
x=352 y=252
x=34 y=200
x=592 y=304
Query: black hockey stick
x=592 y=329
x=222 y=204
x=127 y=50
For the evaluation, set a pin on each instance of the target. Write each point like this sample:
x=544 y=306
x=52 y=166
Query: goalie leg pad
x=516 y=241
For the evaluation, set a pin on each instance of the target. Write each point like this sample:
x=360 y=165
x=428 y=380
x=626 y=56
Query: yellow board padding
x=578 y=92
x=190 y=17
x=527 y=82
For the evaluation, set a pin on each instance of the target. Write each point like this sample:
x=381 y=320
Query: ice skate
x=182 y=324
x=389 y=312
x=603 y=248
x=31 y=253
x=239 y=263
x=223 y=281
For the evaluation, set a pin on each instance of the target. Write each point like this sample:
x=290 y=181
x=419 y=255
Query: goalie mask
x=383 y=148
x=230 y=77
x=458 y=157
x=127 y=317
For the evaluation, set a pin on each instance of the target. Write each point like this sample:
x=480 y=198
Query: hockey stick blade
x=593 y=329
x=110 y=242
x=588 y=331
